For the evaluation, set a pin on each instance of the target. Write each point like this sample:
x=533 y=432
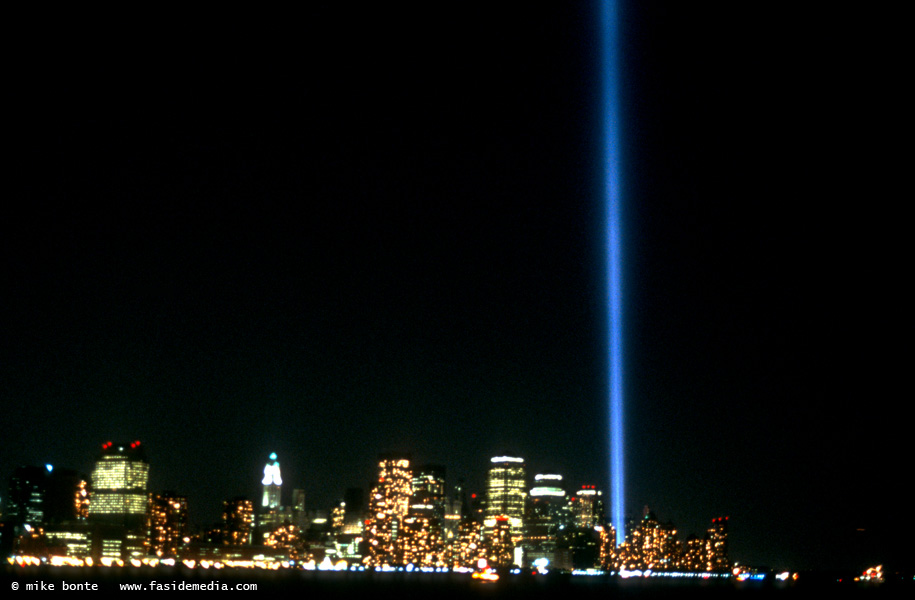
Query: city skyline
x=409 y=515
x=361 y=235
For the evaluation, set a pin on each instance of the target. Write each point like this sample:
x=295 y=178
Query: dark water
x=430 y=586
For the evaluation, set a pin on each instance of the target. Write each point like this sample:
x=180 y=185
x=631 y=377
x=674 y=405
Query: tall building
x=271 y=512
x=547 y=510
x=651 y=545
x=25 y=499
x=49 y=501
x=425 y=521
x=505 y=494
x=717 y=545
x=237 y=522
x=499 y=545
x=119 y=481
x=167 y=524
x=587 y=507
x=117 y=502
x=389 y=504
x=272 y=483
x=693 y=557
x=428 y=495
x=467 y=545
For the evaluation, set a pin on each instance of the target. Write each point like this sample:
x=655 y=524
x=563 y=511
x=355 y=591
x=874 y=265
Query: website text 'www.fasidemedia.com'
x=170 y=586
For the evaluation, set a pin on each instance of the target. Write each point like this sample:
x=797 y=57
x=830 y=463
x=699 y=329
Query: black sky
x=333 y=235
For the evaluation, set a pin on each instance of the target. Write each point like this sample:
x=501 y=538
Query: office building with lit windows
x=389 y=504
x=650 y=545
x=587 y=507
x=547 y=510
x=118 y=501
x=167 y=524
x=49 y=502
x=119 y=480
x=717 y=545
x=424 y=526
x=237 y=522
x=272 y=483
x=506 y=491
x=271 y=512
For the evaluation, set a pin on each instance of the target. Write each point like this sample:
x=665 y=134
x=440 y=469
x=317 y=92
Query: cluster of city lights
x=410 y=525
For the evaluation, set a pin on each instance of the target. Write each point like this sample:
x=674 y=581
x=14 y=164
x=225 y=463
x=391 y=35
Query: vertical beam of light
x=610 y=66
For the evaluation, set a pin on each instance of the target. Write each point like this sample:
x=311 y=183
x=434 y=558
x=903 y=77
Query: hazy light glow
x=612 y=193
x=547 y=491
x=272 y=472
x=498 y=459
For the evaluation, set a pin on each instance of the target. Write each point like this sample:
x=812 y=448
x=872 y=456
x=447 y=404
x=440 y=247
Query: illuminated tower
x=717 y=545
x=117 y=502
x=587 y=507
x=650 y=545
x=547 y=511
x=505 y=494
x=271 y=513
x=168 y=523
x=388 y=506
x=424 y=543
x=272 y=483
x=237 y=521
x=429 y=492
x=119 y=480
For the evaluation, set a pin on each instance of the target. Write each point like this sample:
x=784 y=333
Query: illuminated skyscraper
x=547 y=511
x=428 y=495
x=168 y=523
x=270 y=515
x=498 y=544
x=505 y=495
x=587 y=507
x=424 y=525
x=650 y=545
x=272 y=483
x=717 y=545
x=693 y=557
x=467 y=547
x=389 y=504
x=237 y=522
x=49 y=500
x=117 y=501
x=119 y=481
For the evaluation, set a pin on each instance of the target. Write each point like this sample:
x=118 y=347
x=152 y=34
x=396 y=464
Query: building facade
x=168 y=524
x=389 y=505
x=547 y=511
x=506 y=493
x=118 y=501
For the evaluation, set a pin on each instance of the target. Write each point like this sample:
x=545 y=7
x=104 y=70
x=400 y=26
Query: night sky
x=331 y=235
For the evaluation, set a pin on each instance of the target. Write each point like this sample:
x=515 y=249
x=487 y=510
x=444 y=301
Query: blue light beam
x=610 y=98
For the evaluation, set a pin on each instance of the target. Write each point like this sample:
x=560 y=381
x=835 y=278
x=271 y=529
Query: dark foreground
x=433 y=586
